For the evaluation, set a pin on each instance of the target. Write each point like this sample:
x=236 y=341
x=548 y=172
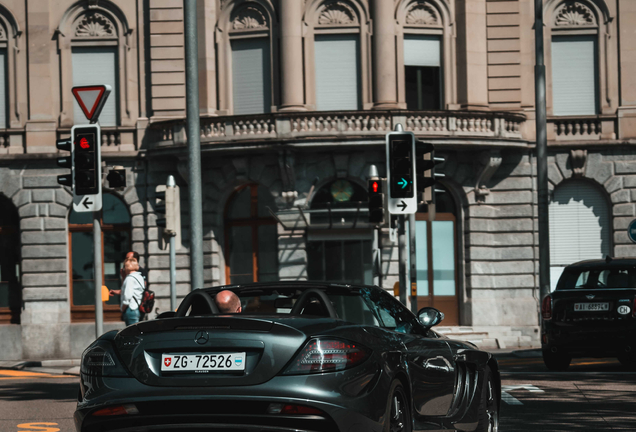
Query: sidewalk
x=72 y=366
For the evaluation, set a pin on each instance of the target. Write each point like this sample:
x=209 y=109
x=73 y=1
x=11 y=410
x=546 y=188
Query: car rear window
x=597 y=278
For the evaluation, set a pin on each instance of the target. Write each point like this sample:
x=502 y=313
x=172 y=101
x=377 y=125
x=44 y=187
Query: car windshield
x=597 y=278
x=364 y=306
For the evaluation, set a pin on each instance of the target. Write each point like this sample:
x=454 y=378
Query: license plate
x=578 y=307
x=203 y=362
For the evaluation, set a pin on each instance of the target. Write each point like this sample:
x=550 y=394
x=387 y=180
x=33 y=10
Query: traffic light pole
x=402 y=251
x=97 y=274
x=413 y=262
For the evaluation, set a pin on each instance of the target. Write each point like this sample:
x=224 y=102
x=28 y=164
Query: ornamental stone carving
x=249 y=18
x=421 y=13
x=574 y=13
x=94 y=25
x=337 y=13
x=3 y=34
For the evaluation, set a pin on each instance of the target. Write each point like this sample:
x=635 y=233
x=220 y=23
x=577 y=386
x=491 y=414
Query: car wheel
x=556 y=361
x=398 y=409
x=488 y=406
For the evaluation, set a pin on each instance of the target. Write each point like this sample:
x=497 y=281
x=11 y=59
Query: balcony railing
x=276 y=126
x=11 y=141
x=582 y=128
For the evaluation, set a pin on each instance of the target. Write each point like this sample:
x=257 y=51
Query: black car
x=591 y=313
x=300 y=357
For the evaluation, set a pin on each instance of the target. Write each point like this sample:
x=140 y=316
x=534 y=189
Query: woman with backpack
x=132 y=291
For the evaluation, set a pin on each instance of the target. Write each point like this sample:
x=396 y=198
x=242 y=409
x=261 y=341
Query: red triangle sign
x=91 y=99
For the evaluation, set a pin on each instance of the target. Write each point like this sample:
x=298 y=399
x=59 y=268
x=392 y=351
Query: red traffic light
x=374 y=186
x=84 y=143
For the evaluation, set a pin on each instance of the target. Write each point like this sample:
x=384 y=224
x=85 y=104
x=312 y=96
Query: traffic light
x=65 y=162
x=425 y=168
x=168 y=209
x=86 y=160
x=400 y=156
x=117 y=178
x=376 y=201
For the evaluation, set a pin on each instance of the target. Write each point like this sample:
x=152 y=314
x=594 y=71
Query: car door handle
x=439 y=363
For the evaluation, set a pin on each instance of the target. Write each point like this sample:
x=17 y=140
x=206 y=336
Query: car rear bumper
x=589 y=342
x=240 y=409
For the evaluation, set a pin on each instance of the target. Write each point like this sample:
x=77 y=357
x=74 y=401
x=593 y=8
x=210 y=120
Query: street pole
x=542 y=150
x=404 y=287
x=194 y=144
x=173 y=257
x=413 y=261
x=97 y=274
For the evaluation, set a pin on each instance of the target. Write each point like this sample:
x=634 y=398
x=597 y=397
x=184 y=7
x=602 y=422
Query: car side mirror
x=429 y=317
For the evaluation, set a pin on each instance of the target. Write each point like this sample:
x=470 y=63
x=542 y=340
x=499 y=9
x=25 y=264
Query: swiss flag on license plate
x=167 y=361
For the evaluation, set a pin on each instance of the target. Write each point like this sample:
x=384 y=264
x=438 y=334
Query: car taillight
x=117 y=410
x=546 y=307
x=278 y=408
x=327 y=355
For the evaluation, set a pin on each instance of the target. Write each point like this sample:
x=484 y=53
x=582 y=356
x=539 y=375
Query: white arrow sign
x=511 y=400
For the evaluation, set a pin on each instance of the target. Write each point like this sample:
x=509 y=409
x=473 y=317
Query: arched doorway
x=579 y=225
x=436 y=255
x=10 y=289
x=251 y=236
x=115 y=221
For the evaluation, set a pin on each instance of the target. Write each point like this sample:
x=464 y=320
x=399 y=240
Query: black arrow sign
x=402 y=205
x=87 y=203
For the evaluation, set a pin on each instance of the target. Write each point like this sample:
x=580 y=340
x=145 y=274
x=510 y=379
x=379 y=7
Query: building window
x=10 y=289
x=251 y=77
x=3 y=86
x=574 y=75
x=251 y=236
x=337 y=72
x=422 y=72
x=115 y=220
x=580 y=226
x=96 y=65
x=346 y=261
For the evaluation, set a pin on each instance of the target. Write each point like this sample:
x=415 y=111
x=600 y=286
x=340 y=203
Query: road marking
x=14 y=374
x=38 y=427
x=511 y=400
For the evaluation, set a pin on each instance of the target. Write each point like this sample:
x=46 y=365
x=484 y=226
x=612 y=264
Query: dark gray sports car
x=300 y=357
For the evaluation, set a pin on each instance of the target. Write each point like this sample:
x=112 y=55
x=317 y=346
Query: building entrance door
x=436 y=265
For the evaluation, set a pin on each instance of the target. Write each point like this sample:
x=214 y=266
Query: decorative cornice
x=94 y=24
x=421 y=13
x=574 y=13
x=3 y=34
x=337 y=13
x=249 y=18
x=486 y=164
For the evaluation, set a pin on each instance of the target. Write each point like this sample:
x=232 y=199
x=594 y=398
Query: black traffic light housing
x=425 y=167
x=116 y=178
x=160 y=208
x=65 y=161
x=401 y=165
x=376 y=201
x=86 y=160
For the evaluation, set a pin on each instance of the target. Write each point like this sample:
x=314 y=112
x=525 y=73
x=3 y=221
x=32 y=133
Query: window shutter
x=574 y=75
x=579 y=224
x=96 y=65
x=337 y=72
x=421 y=51
x=251 y=79
x=3 y=89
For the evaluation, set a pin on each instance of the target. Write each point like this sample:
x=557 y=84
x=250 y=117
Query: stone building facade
x=296 y=97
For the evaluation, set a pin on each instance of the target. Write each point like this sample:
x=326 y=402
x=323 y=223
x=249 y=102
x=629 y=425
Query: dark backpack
x=147 y=299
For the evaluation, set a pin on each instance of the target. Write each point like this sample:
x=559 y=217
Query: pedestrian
x=132 y=255
x=131 y=292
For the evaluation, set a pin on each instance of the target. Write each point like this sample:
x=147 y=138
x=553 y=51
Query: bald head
x=228 y=302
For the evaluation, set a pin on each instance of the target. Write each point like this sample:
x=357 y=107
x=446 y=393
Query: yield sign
x=91 y=99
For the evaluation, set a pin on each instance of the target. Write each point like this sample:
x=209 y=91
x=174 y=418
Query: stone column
x=291 y=53
x=384 y=76
x=206 y=21
x=472 y=55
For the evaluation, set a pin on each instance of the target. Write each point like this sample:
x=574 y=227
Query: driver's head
x=228 y=302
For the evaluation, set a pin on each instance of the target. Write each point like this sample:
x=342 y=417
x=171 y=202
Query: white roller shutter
x=422 y=51
x=96 y=65
x=251 y=82
x=574 y=75
x=337 y=72
x=3 y=89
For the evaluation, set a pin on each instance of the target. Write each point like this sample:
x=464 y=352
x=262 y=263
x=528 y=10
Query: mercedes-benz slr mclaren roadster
x=299 y=357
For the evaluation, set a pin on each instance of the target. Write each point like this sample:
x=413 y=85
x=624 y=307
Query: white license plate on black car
x=203 y=362
x=591 y=307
